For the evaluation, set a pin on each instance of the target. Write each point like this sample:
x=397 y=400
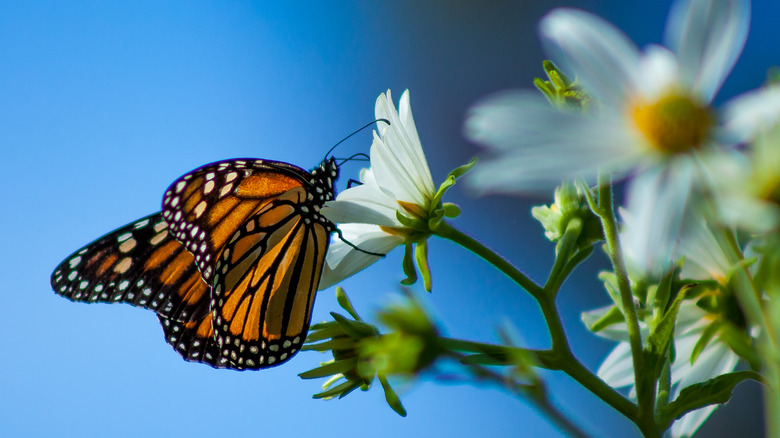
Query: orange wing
x=140 y=264
x=231 y=265
x=257 y=237
x=206 y=206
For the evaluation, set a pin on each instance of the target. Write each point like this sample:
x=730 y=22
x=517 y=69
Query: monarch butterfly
x=231 y=264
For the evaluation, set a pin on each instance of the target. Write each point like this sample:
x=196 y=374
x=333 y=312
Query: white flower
x=654 y=120
x=398 y=182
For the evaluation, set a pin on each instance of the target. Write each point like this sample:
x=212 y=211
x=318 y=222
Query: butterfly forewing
x=207 y=205
x=140 y=264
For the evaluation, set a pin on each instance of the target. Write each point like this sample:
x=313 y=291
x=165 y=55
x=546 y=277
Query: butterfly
x=231 y=264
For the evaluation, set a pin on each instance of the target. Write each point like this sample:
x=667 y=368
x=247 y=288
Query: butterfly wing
x=257 y=236
x=206 y=206
x=265 y=285
x=140 y=264
x=253 y=228
x=193 y=340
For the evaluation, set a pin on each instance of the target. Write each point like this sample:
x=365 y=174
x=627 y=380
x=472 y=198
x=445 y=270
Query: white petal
x=715 y=360
x=343 y=260
x=405 y=114
x=401 y=149
x=360 y=210
x=660 y=72
x=752 y=113
x=705 y=253
x=656 y=207
x=598 y=53
x=618 y=368
x=394 y=171
x=687 y=425
x=708 y=36
x=539 y=146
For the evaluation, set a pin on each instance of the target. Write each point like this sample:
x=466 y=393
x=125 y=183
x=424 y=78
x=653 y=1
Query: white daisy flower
x=654 y=119
x=398 y=183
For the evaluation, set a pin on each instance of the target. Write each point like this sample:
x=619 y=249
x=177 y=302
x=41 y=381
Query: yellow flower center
x=675 y=123
x=772 y=191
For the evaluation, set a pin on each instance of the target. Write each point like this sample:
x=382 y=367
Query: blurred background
x=103 y=104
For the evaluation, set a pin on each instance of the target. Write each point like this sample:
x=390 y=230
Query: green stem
x=536 y=393
x=645 y=389
x=569 y=364
x=565 y=247
x=749 y=298
x=579 y=257
x=501 y=353
x=664 y=387
x=448 y=232
x=560 y=356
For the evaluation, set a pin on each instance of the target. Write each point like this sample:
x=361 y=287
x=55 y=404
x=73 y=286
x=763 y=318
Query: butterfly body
x=231 y=265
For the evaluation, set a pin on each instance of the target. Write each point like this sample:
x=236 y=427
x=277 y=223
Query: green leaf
x=612 y=316
x=450 y=181
x=421 y=257
x=355 y=329
x=343 y=343
x=706 y=336
x=392 y=398
x=347 y=386
x=331 y=331
x=610 y=284
x=451 y=210
x=546 y=89
x=345 y=303
x=408 y=265
x=556 y=75
x=414 y=224
x=714 y=391
x=739 y=342
x=329 y=369
x=661 y=335
x=461 y=170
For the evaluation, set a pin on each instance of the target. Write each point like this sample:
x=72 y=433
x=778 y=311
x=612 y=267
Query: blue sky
x=103 y=104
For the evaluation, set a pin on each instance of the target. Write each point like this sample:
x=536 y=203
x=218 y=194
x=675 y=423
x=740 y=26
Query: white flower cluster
x=653 y=124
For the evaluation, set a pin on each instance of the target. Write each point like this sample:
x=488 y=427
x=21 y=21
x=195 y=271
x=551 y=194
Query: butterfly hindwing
x=265 y=283
x=194 y=340
x=140 y=264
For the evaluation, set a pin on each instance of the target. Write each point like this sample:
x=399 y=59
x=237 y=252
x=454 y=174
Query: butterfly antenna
x=341 y=236
x=353 y=157
x=350 y=135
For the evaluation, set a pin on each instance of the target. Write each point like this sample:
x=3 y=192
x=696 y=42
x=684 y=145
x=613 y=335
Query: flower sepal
x=569 y=204
x=348 y=370
x=560 y=90
x=438 y=210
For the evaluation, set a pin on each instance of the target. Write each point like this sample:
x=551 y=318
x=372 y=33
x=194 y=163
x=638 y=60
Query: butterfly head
x=324 y=177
